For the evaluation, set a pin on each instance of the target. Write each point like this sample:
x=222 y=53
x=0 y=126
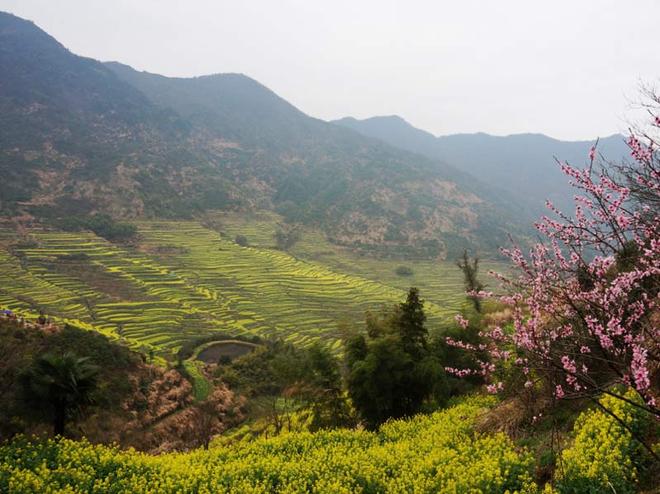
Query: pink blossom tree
x=585 y=299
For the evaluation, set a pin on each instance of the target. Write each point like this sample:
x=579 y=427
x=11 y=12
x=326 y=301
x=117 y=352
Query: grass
x=201 y=385
x=185 y=280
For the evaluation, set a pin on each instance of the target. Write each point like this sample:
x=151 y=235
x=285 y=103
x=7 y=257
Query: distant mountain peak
x=389 y=118
x=394 y=120
x=522 y=165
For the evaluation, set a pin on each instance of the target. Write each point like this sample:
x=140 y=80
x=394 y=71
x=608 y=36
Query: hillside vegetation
x=421 y=455
x=440 y=452
x=80 y=137
x=132 y=402
x=203 y=289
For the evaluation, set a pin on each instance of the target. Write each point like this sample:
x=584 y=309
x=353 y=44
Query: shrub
x=241 y=240
x=101 y=224
x=286 y=237
x=403 y=271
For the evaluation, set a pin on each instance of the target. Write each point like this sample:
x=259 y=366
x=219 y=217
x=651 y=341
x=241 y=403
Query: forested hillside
x=81 y=137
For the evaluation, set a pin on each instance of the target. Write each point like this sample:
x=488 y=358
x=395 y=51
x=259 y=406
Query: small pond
x=213 y=353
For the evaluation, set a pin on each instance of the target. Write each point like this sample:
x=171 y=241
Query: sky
x=568 y=69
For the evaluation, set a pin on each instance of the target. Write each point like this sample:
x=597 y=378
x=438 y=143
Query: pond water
x=231 y=349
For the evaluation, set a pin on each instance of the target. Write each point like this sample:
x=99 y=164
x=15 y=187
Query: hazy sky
x=569 y=69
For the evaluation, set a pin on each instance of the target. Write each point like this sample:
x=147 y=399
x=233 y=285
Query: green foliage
x=411 y=325
x=329 y=405
x=286 y=236
x=604 y=456
x=20 y=348
x=241 y=240
x=60 y=385
x=392 y=374
x=435 y=453
x=308 y=376
x=268 y=370
x=470 y=269
x=101 y=224
x=403 y=271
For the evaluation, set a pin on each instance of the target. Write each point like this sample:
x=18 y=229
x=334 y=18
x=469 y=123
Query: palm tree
x=60 y=385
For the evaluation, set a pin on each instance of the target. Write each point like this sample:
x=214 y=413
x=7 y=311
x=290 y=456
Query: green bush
x=403 y=271
x=286 y=237
x=101 y=224
x=241 y=240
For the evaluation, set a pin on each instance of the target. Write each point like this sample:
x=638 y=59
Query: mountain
x=522 y=165
x=79 y=137
x=75 y=138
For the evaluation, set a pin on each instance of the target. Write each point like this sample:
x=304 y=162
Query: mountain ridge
x=81 y=137
x=522 y=165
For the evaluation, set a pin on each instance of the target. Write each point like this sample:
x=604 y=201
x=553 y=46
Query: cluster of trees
x=102 y=225
x=392 y=371
x=52 y=378
x=281 y=379
x=287 y=236
x=241 y=240
x=403 y=271
x=395 y=369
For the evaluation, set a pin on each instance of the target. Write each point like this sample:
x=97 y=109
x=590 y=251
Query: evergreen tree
x=392 y=373
x=378 y=385
x=329 y=405
x=411 y=319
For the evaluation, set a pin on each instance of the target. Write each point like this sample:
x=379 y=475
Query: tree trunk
x=59 y=421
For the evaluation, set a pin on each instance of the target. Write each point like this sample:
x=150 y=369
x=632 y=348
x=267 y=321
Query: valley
x=204 y=288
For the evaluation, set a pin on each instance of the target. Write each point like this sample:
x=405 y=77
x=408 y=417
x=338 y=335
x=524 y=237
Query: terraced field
x=439 y=282
x=184 y=280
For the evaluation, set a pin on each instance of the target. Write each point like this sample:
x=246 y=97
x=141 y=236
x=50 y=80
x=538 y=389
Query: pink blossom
x=462 y=322
x=494 y=388
x=574 y=306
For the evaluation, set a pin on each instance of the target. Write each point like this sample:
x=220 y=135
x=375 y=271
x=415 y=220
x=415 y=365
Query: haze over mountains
x=523 y=165
x=78 y=136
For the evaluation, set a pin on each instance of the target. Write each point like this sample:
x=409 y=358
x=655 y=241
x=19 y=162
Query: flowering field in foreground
x=604 y=454
x=428 y=453
x=435 y=453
